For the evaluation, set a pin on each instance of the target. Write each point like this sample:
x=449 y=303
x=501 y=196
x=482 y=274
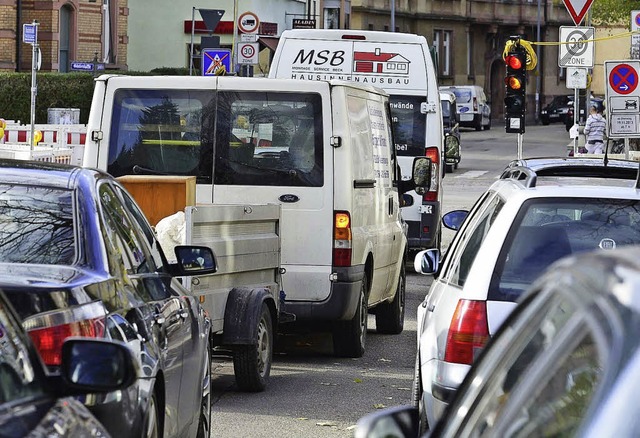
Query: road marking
x=472 y=174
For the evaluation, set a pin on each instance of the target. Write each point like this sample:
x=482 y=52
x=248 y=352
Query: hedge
x=55 y=90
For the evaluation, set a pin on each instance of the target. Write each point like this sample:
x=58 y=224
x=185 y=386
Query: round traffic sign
x=576 y=44
x=248 y=22
x=247 y=50
x=637 y=20
x=623 y=79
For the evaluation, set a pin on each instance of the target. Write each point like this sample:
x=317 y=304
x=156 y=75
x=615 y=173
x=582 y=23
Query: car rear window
x=36 y=225
x=546 y=230
x=462 y=95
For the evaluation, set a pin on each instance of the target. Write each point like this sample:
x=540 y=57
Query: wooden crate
x=160 y=196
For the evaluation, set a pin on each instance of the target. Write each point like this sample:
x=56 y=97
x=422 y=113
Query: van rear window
x=269 y=139
x=408 y=125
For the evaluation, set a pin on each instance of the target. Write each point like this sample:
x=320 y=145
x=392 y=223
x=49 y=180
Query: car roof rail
x=524 y=174
x=575 y=167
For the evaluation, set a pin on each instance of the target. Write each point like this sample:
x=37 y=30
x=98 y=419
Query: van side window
x=160 y=132
x=269 y=139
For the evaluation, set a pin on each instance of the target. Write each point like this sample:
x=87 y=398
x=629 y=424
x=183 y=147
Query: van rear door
x=272 y=146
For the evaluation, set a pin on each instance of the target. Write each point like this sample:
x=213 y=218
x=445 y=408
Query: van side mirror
x=421 y=175
x=452 y=147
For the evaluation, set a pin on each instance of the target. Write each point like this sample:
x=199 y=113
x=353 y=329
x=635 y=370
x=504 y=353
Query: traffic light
x=515 y=90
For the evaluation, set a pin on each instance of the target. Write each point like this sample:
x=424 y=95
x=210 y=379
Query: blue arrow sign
x=213 y=60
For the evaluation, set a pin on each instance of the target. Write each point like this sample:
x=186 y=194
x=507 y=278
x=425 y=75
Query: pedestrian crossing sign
x=216 y=62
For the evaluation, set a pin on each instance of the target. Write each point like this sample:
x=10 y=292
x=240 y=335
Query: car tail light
x=475 y=104
x=49 y=330
x=434 y=154
x=468 y=332
x=342 y=239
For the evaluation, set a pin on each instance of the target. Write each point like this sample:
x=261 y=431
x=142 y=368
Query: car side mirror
x=194 y=260
x=397 y=422
x=97 y=365
x=453 y=219
x=427 y=261
x=406 y=200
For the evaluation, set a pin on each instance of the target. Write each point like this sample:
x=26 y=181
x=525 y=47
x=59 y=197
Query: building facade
x=68 y=31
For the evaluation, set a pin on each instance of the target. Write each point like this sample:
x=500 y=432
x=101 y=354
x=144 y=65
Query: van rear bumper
x=341 y=304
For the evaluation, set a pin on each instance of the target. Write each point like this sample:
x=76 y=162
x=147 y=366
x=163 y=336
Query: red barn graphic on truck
x=381 y=63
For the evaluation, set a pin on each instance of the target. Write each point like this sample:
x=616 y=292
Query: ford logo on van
x=289 y=198
x=463 y=109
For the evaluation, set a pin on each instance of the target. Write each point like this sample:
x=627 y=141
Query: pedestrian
x=594 y=130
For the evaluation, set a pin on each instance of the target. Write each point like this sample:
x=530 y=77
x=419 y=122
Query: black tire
x=390 y=315
x=479 y=124
x=252 y=363
x=152 y=419
x=455 y=166
x=449 y=168
x=349 y=337
x=486 y=128
x=204 y=422
x=545 y=122
x=416 y=398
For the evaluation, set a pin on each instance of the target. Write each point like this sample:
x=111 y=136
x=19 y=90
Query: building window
x=332 y=18
x=443 y=41
x=64 y=54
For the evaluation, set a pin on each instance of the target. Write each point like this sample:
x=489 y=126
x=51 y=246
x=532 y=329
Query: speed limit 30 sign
x=576 y=46
x=248 y=53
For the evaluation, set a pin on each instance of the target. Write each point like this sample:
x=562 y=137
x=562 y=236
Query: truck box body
x=320 y=151
x=400 y=64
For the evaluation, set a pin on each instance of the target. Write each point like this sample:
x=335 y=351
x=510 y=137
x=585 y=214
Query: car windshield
x=546 y=230
x=36 y=225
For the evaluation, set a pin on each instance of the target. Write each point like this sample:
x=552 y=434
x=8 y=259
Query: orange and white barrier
x=54 y=143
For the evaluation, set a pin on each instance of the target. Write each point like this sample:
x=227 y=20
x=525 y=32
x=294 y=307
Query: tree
x=607 y=12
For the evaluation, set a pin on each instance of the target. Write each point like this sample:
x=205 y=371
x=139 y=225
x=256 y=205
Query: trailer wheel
x=390 y=315
x=252 y=363
x=349 y=337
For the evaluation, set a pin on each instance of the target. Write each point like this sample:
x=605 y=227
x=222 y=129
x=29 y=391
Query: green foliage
x=55 y=90
x=607 y=12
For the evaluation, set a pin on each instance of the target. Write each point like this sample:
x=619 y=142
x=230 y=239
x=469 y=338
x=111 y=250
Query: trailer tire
x=252 y=363
x=349 y=337
x=390 y=315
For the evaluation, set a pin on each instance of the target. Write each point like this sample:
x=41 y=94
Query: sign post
x=247 y=53
x=30 y=36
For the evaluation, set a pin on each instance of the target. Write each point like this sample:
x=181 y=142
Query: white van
x=473 y=108
x=321 y=150
x=400 y=64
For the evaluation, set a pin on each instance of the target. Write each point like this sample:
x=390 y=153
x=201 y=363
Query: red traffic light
x=514 y=62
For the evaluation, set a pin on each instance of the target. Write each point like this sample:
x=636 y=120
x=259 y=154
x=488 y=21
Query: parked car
x=556 y=110
x=584 y=113
x=451 y=126
x=473 y=108
x=33 y=403
x=537 y=212
x=77 y=257
x=566 y=362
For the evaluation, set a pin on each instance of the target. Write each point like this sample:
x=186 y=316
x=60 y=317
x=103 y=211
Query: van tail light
x=468 y=332
x=342 y=239
x=434 y=154
x=48 y=331
x=475 y=104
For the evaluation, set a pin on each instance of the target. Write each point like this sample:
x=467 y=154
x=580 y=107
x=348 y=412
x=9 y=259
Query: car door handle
x=431 y=307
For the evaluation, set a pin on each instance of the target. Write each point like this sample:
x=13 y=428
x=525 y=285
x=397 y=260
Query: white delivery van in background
x=400 y=64
x=321 y=150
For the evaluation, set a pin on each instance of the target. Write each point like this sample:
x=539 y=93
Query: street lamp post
x=538 y=76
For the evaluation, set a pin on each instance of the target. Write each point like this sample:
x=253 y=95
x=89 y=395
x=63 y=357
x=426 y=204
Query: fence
x=59 y=143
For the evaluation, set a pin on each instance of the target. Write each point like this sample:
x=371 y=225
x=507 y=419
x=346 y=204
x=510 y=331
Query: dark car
x=584 y=113
x=556 y=110
x=78 y=258
x=35 y=404
x=566 y=362
x=451 y=127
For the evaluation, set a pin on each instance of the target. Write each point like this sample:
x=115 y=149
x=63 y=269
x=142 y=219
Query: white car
x=473 y=108
x=537 y=212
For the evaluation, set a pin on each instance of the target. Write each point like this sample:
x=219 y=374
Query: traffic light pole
x=520 y=141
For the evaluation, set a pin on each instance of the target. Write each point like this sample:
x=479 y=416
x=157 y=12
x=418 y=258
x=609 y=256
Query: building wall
x=85 y=40
x=158 y=38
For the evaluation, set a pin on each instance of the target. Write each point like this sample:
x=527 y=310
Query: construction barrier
x=57 y=143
